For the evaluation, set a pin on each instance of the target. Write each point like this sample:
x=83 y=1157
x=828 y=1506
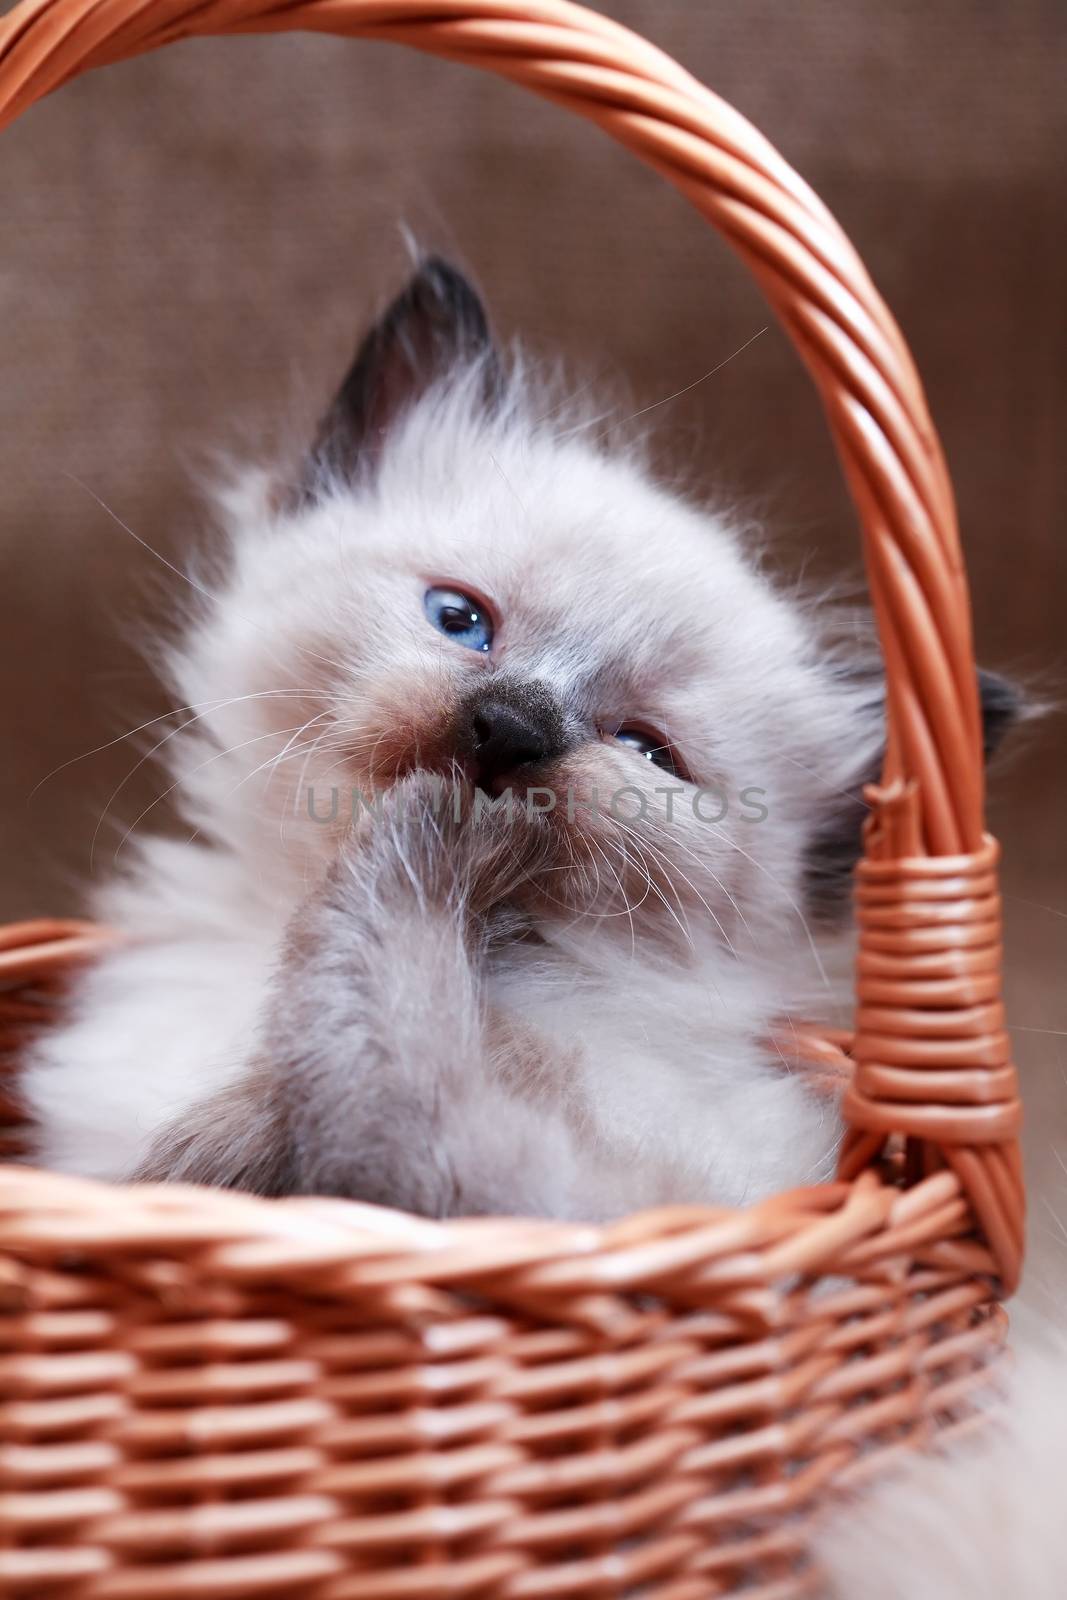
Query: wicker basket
x=203 y=1393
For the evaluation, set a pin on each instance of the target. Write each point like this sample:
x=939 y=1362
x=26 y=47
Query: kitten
x=362 y=975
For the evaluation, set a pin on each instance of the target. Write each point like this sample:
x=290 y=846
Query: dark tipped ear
x=435 y=325
x=1002 y=705
x=838 y=842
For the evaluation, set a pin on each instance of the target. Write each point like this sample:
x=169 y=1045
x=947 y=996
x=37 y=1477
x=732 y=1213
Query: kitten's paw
x=444 y=842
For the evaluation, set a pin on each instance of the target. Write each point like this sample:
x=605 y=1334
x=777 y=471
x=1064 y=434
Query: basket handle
x=932 y=1057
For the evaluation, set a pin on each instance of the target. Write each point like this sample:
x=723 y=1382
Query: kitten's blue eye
x=653 y=746
x=459 y=616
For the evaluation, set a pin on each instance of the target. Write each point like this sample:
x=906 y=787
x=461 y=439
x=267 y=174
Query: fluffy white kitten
x=566 y=1012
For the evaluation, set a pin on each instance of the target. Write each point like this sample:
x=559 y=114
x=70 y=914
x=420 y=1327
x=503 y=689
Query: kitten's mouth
x=520 y=784
x=466 y=772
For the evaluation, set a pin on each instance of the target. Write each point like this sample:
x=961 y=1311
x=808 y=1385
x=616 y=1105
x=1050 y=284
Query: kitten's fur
x=982 y=1520
x=558 y=1016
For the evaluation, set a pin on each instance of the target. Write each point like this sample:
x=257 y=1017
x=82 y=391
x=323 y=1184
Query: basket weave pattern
x=207 y=1393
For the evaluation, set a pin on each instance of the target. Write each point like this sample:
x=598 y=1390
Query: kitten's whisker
x=184 y=576
x=790 y=902
x=204 y=708
x=639 y=862
x=687 y=388
x=680 y=917
x=511 y=488
x=580 y=912
x=682 y=920
x=273 y=761
x=680 y=844
x=316 y=744
x=372 y=759
x=627 y=912
x=144 y=759
x=640 y=845
x=210 y=708
x=566 y=403
x=703 y=865
x=575 y=865
x=219 y=756
x=833 y=788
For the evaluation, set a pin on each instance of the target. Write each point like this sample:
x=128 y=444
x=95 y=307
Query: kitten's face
x=499 y=598
x=461 y=587
x=554 y=625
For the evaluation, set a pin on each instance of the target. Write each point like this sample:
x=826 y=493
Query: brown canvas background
x=191 y=241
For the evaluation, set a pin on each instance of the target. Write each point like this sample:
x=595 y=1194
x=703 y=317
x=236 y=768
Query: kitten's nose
x=508 y=727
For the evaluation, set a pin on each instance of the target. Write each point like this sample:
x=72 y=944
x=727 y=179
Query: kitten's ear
x=1003 y=703
x=436 y=325
x=838 y=842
